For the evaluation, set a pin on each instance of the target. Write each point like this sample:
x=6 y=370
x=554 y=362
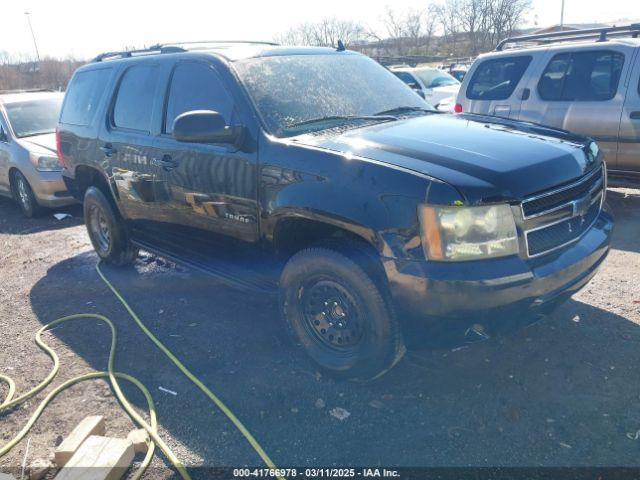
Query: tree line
x=447 y=28
x=19 y=72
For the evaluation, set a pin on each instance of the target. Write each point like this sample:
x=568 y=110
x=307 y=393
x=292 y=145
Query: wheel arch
x=87 y=176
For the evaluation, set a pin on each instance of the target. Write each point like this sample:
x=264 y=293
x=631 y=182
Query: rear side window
x=196 y=86
x=84 y=95
x=134 y=104
x=581 y=76
x=496 y=79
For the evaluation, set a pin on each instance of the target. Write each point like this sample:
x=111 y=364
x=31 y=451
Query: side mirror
x=414 y=85
x=203 y=126
x=3 y=135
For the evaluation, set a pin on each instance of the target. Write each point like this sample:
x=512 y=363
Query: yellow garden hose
x=151 y=426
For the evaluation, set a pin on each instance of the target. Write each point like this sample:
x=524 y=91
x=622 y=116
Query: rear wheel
x=339 y=314
x=106 y=229
x=24 y=195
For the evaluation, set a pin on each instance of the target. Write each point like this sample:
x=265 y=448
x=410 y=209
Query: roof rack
x=600 y=34
x=173 y=47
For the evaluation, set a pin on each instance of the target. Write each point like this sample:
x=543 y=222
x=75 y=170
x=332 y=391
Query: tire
x=24 y=196
x=339 y=315
x=107 y=230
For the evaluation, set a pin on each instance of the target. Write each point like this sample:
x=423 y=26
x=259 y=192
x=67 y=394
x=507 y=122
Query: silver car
x=585 y=81
x=29 y=168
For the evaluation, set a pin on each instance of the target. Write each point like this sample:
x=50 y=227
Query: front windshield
x=291 y=90
x=432 y=77
x=34 y=117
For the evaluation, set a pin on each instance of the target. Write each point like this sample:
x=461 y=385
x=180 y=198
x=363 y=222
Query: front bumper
x=49 y=189
x=489 y=288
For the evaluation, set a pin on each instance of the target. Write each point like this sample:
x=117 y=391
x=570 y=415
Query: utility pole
x=562 y=16
x=35 y=44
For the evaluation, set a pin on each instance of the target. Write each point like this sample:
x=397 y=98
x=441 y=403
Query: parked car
x=29 y=168
x=458 y=73
x=433 y=84
x=367 y=213
x=584 y=81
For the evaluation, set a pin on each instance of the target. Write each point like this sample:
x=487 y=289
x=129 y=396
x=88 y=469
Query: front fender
x=370 y=199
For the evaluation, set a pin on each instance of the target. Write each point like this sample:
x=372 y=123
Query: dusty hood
x=40 y=143
x=487 y=159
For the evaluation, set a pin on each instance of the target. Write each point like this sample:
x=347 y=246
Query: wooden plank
x=99 y=458
x=93 y=425
x=140 y=439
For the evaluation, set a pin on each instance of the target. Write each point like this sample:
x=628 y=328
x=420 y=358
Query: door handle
x=635 y=116
x=166 y=162
x=108 y=150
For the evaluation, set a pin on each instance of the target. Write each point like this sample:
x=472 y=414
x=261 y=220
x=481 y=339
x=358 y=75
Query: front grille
x=563 y=215
x=560 y=197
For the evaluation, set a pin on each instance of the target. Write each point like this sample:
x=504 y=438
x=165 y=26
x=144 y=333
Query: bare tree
x=324 y=33
x=483 y=22
x=430 y=25
x=410 y=32
x=449 y=17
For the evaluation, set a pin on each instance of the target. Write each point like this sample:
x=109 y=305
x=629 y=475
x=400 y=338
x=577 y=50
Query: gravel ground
x=562 y=392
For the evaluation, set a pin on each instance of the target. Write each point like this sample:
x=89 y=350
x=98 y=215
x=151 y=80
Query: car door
x=211 y=188
x=581 y=91
x=494 y=86
x=629 y=139
x=126 y=141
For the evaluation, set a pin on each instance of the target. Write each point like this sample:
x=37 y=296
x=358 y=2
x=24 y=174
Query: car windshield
x=432 y=77
x=297 y=94
x=34 y=117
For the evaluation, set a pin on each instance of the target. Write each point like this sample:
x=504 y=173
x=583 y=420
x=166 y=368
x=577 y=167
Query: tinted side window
x=134 y=104
x=84 y=95
x=552 y=81
x=582 y=76
x=196 y=86
x=496 y=79
x=405 y=77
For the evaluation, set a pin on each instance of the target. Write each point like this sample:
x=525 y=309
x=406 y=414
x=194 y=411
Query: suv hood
x=40 y=143
x=488 y=159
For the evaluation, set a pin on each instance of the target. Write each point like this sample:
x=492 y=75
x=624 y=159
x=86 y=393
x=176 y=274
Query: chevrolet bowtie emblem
x=581 y=206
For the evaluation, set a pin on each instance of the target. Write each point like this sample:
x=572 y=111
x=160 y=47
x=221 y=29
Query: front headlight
x=45 y=163
x=451 y=233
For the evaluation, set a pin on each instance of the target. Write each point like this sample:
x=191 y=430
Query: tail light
x=58 y=149
x=457 y=108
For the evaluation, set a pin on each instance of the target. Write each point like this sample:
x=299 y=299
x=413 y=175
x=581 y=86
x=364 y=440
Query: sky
x=83 y=29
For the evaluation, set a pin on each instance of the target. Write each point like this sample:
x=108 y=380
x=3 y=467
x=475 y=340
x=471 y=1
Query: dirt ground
x=562 y=392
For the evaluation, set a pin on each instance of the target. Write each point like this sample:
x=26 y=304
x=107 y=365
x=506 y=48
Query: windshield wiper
x=401 y=110
x=377 y=118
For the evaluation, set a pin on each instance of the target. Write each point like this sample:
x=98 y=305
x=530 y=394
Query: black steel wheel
x=106 y=229
x=340 y=314
x=331 y=314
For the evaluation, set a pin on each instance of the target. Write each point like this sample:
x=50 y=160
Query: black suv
x=316 y=174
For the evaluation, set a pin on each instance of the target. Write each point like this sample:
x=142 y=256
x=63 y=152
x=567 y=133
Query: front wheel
x=106 y=229
x=339 y=314
x=24 y=195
